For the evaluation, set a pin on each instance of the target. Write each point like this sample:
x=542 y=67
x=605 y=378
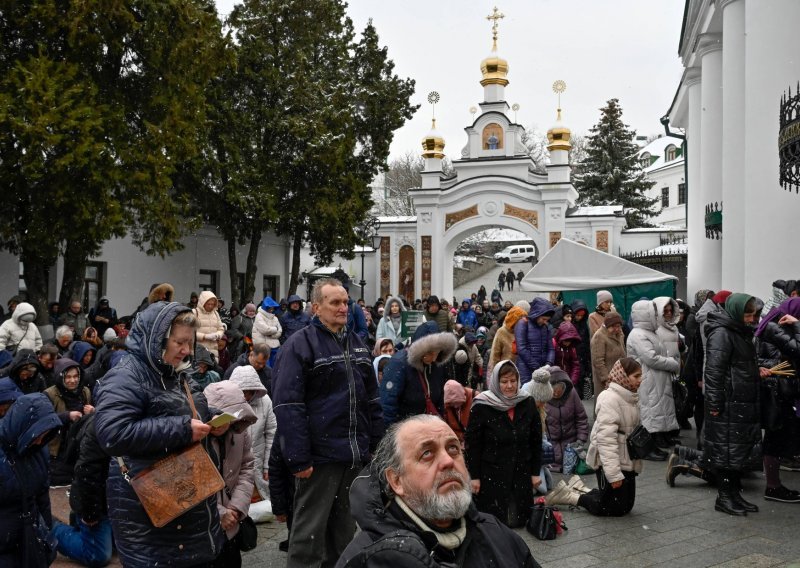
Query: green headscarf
x=735 y=304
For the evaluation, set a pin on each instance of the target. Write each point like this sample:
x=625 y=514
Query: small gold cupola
x=494 y=68
x=433 y=143
x=558 y=137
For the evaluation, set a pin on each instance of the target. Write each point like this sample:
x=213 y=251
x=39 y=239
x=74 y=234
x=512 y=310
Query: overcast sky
x=602 y=48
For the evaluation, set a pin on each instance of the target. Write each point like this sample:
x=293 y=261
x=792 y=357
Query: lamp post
x=367 y=233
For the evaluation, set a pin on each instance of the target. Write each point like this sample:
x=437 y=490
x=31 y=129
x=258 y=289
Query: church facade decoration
x=426 y=266
x=493 y=137
x=386 y=266
x=789 y=141
x=407 y=269
x=453 y=218
x=527 y=215
x=601 y=240
x=555 y=236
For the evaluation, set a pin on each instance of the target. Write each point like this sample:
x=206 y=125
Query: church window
x=664 y=197
x=681 y=193
x=208 y=280
x=671 y=153
x=645 y=160
x=493 y=137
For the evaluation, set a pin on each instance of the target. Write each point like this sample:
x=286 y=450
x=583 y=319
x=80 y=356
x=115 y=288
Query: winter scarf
x=788 y=307
x=617 y=375
x=449 y=540
x=494 y=397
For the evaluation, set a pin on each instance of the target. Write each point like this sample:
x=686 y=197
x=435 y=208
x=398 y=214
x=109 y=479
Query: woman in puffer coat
x=232 y=445
x=617 y=416
x=211 y=327
x=413 y=381
x=659 y=364
x=262 y=433
x=143 y=414
x=566 y=418
x=732 y=400
x=267 y=327
x=24 y=433
x=19 y=331
x=391 y=322
x=503 y=348
x=565 y=342
x=534 y=340
x=608 y=347
x=779 y=340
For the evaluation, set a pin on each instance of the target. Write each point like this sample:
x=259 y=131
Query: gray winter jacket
x=656 y=403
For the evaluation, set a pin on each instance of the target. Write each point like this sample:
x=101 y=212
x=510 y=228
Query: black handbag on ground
x=640 y=443
x=542 y=523
x=247 y=537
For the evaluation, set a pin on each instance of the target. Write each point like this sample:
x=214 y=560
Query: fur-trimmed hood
x=166 y=290
x=427 y=338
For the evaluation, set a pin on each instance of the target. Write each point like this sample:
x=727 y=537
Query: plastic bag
x=261 y=512
x=570 y=460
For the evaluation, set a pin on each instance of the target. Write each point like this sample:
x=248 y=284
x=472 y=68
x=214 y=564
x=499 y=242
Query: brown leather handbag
x=176 y=483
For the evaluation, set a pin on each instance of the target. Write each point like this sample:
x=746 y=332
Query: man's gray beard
x=433 y=506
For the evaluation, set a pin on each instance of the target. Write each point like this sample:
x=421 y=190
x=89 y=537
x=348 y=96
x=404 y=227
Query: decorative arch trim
x=529 y=216
x=452 y=218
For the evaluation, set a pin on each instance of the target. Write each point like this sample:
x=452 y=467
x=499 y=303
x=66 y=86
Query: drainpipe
x=665 y=121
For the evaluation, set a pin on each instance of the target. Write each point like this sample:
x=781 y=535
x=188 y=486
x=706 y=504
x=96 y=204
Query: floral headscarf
x=619 y=376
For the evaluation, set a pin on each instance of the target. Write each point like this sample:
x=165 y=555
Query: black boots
x=656 y=455
x=730 y=499
x=676 y=467
x=726 y=504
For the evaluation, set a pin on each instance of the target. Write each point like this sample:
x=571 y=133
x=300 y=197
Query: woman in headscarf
x=731 y=380
x=779 y=340
x=504 y=447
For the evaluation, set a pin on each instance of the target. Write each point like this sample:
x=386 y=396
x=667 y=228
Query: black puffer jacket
x=143 y=414
x=733 y=437
x=389 y=539
x=34 y=384
x=87 y=496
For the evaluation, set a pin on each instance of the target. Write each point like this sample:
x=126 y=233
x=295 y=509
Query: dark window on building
x=270 y=288
x=94 y=283
x=240 y=283
x=664 y=197
x=681 y=193
x=209 y=280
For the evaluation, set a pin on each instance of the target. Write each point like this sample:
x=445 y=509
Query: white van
x=516 y=253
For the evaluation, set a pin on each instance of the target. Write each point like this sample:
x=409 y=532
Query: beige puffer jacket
x=617 y=416
x=211 y=326
x=237 y=468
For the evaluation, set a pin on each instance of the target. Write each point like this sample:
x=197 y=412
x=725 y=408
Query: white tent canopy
x=573 y=266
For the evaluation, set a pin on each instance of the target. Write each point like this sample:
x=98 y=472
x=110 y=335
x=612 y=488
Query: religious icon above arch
x=493 y=137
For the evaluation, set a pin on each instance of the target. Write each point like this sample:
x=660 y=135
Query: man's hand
x=787 y=320
x=536 y=481
x=305 y=474
x=75 y=415
x=763 y=372
x=199 y=430
x=88 y=408
x=475 y=485
x=616 y=484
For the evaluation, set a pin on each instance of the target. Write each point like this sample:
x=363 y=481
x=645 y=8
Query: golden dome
x=559 y=135
x=433 y=143
x=494 y=69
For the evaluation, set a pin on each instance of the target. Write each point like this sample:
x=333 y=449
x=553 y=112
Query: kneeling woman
x=504 y=446
x=617 y=416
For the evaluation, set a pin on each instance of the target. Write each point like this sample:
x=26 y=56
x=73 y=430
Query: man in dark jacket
x=437 y=314
x=294 y=319
x=257 y=358
x=416 y=513
x=327 y=406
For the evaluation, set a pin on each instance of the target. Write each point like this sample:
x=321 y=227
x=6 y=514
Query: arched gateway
x=494 y=185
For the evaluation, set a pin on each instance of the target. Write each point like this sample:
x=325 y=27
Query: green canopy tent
x=578 y=272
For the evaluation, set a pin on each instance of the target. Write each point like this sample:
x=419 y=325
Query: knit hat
x=513 y=316
x=612 y=318
x=721 y=296
x=454 y=394
x=539 y=387
x=524 y=305
x=109 y=335
x=470 y=338
x=604 y=296
x=557 y=374
x=461 y=357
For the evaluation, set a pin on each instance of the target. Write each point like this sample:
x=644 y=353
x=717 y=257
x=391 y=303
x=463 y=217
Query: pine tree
x=611 y=173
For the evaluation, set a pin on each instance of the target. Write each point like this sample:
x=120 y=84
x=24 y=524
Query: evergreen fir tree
x=611 y=173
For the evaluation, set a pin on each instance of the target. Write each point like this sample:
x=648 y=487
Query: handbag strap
x=124 y=468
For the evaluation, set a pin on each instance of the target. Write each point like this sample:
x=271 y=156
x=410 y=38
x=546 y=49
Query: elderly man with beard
x=414 y=506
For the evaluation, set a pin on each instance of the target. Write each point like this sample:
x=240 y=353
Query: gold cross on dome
x=495 y=16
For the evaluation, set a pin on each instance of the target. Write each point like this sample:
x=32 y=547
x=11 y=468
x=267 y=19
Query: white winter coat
x=656 y=402
x=210 y=323
x=16 y=334
x=262 y=433
x=267 y=329
x=617 y=415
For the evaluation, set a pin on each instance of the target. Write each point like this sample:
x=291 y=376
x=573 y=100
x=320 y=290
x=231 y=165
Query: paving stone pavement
x=668 y=527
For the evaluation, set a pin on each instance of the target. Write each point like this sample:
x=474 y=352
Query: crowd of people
x=434 y=438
